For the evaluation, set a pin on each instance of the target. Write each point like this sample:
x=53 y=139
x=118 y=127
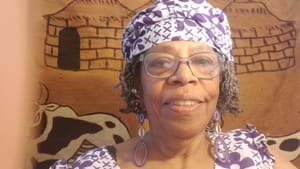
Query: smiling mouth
x=183 y=103
x=183 y=106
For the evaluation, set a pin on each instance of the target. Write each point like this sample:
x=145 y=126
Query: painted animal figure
x=287 y=145
x=59 y=133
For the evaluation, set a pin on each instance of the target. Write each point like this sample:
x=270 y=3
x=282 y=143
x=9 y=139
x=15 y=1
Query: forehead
x=174 y=46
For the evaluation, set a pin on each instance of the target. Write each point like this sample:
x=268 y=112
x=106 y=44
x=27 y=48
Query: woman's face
x=182 y=104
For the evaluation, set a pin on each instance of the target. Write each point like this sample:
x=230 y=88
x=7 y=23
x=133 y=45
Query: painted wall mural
x=58 y=132
x=79 y=59
x=79 y=39
x=260 y=46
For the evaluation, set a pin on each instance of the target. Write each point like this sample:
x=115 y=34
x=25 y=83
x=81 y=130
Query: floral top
x=247 y=150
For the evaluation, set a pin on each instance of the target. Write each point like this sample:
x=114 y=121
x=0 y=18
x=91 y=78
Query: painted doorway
x=69 y=49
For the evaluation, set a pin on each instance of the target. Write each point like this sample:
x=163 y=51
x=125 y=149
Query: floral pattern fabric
x=247 y=150
x=98 y=158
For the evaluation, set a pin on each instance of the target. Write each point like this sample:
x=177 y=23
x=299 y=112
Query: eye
x=159 y=61
x=202 y=60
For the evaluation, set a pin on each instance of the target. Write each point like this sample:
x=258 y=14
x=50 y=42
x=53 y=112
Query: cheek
x=212 y=90
x=151 y=92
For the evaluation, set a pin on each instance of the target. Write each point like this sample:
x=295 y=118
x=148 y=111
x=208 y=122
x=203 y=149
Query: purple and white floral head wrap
x=171 y=20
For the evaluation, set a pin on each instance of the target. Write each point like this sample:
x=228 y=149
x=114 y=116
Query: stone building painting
x=262 y=42
x=86 y=35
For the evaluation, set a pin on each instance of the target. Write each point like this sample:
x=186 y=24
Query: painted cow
x=59 y=133
x=287 y=145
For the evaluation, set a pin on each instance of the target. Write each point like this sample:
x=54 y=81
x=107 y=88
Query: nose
x=183 y=75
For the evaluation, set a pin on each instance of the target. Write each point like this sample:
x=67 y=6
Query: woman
x=180 y=75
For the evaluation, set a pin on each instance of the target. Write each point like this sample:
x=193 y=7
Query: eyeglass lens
x=162 y=65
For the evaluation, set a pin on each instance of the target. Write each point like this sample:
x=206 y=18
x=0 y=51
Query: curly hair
x=130 y=81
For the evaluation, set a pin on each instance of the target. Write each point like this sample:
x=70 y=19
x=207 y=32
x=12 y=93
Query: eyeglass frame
x=186 y=60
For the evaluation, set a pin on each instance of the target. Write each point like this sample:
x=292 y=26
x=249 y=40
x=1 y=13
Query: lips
x=182 y=106
x=183 y=102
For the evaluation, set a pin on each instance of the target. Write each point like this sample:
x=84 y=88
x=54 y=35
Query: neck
x=168 y=147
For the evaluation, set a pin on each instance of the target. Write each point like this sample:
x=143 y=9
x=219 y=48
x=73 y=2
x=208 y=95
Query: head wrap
x=171 y=20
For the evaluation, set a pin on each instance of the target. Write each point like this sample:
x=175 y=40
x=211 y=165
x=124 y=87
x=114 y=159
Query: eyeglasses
x=203 y=65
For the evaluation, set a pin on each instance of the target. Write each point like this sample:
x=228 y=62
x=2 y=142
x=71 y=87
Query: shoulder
x=250 y=136
x=100 y=157
x=252 y=143
x=247 y=148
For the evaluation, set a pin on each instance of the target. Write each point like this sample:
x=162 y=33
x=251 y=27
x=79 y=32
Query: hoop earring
x=220 y=147
x=141 y=143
